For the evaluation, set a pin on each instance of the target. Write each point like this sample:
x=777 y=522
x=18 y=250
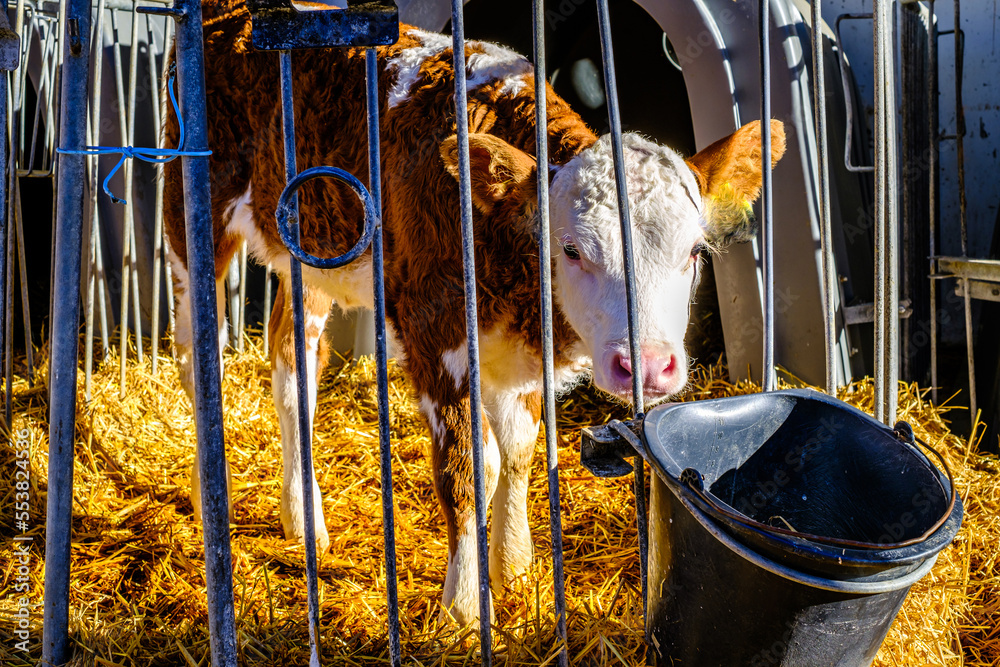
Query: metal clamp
x=278 y=26
x=286 y=209
x=604 y=449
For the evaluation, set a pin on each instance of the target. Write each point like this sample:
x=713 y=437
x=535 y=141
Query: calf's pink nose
x=658 y=369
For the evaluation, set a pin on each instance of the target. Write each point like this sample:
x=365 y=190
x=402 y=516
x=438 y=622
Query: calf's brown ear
x=729 y=176
x=496 y=167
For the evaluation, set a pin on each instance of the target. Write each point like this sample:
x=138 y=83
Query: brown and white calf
x=678 y=208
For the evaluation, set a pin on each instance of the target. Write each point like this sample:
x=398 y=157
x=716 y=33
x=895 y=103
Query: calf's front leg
x=284 y=387
x=515 y=418
x=448 y=414
x=183 y=346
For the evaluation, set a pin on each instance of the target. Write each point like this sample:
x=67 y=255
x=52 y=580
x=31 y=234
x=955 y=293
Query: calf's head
x=679 y=210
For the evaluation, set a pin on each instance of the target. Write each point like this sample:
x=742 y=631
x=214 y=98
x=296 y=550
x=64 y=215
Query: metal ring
x=287 y=206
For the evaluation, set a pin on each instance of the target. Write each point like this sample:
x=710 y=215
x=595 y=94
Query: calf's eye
x=571 y=252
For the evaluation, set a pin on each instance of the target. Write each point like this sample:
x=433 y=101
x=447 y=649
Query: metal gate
x=278 y=26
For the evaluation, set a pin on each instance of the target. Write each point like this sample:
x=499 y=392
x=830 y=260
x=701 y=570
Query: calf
x=679 y=208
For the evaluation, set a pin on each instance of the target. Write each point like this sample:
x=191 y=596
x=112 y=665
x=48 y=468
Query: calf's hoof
x=294 y=528
x=196 y=492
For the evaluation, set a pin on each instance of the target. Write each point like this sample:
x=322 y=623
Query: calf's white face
x=668 y=235
x=678 y=208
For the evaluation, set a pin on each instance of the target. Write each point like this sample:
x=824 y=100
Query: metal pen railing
x=545 y=302
x=72 y=173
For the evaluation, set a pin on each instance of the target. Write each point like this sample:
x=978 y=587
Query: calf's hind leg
x=515 y=418
x=183 y=345
x=284 y=387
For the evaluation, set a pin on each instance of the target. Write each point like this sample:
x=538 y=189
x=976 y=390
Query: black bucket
x=786 y=528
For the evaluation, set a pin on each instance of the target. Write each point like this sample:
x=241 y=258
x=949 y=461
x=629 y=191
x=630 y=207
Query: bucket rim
x=688 y=482
x=860 y=586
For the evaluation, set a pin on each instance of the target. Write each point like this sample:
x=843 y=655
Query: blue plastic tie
x=154 y=155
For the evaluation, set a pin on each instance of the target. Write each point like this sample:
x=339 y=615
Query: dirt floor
x=138 y=588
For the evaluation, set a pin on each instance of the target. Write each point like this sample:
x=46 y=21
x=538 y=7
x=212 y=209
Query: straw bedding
x=138 y=586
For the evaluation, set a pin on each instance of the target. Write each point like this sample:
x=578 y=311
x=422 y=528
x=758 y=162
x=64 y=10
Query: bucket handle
x=694 y=481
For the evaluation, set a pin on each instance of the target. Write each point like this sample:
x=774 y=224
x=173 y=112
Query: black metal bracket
x=604 y=450
x=278 y=26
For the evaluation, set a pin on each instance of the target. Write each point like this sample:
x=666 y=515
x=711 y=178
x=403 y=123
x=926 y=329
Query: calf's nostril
x=624 y=363
x=671 y=365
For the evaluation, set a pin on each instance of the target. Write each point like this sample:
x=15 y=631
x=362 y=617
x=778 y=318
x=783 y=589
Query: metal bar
x=932 y=168
x=95 y=266
x=848 y=97
x=864 y=313
x=205 y=336
x=960 y=128
x=962 y=267
x=242 y=296
x=7 y=225
x=767 y=234
x=382 y=358
x=127 y=229
x=133 y=69
x=64 y=338
x=29 y=354
x=614 y=117
x=169 y=284
x=979 y=290
x=472 y=328
x=880 y=213
x=969 y=350
x=886 y=216
x=158 y=244
x=301 y=369
x=267 y=306
x=548 y=353
x=6 y=260
x=233 y=289
x=963 y=205
x=891 y=310
x=825 y=225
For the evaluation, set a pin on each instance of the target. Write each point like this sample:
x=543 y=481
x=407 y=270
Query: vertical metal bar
x=126 y=227
x=65 y=338
x=960 y=126
x=154 y=90
x=301 y=369
x=880 y=213
x=892 y=216
x=886 y=217
x=7 y=224
x=133 y=69
x=548 y=353
x=233 y=288
x=767 y=234
x=95 y=265
x=6 y=259
x=169 y=284
x=962 y=204
x=825 y=226
x=242 y=296
x=8 y=293
x=472 y=327
x=15 y=196
x=614 y=117
x=382 y=357
x=267 y=307
x=205 y=336
x=932 y=167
